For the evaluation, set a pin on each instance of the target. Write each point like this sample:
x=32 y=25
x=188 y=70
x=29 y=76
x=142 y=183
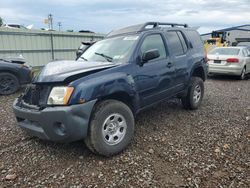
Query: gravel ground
x=173 y=147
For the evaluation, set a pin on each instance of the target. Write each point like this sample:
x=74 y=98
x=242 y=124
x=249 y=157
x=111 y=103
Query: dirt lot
x=173 y=147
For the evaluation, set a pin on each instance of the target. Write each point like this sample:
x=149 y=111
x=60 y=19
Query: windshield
x=116 y=50
x=225 y=51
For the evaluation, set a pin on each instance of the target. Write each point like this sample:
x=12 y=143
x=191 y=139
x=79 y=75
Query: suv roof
x=144 y=27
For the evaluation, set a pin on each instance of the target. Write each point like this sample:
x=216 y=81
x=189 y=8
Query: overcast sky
x=104 y=15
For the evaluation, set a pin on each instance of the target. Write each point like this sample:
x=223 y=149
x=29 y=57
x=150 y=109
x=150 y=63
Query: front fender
x=101 y=86
x=23 y=74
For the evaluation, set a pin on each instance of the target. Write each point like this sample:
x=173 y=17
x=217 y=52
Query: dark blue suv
x=97 y=97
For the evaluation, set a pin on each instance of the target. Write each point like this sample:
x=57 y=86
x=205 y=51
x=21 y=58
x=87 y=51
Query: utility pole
x=59 y=25
x=50 y=21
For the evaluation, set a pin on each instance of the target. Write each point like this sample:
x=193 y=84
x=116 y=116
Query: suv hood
x=59 y=71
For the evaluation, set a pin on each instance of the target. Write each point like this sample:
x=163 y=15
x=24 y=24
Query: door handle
x=169 y=65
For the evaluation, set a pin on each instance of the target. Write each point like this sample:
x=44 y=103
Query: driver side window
x=154 y=42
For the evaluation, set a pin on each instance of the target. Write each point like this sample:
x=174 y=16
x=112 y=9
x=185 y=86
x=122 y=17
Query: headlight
x=60 y=95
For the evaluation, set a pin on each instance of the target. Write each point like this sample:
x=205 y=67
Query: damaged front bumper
x=58 y=123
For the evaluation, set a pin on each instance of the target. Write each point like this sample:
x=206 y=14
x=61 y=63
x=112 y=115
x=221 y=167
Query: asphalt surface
x=209 y=147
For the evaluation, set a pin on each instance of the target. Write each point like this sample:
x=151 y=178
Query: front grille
x=36 y=95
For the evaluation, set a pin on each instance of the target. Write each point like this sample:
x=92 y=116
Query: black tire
x=96 y=140
x=188 y=101
x=243 y=74
x=209 y=75
x=8 y=83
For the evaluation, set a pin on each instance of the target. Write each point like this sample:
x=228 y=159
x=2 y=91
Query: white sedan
x=229 y=61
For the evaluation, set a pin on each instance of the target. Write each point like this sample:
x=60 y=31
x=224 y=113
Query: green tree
x=1 y=21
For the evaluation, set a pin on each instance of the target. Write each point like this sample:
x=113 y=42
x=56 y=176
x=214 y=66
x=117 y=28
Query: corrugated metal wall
x=40 y=47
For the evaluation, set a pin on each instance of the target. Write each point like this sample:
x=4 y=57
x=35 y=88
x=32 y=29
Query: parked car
x=243 y=44
x=86 y=31
x=13 y=73
x=83 y=47
x=14 y=26
x=229 y=61
x=98 y=97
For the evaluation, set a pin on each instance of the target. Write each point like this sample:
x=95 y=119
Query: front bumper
x=59 y=124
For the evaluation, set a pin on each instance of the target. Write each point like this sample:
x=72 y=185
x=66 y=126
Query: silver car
x=229 y=61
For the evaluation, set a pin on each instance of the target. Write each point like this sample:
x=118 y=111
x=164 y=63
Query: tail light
x=233 y=60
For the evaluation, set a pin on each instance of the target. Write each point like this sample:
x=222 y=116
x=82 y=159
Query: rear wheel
x=111 y=128
x=8 y=83
x=195 y=94
x=243 y=74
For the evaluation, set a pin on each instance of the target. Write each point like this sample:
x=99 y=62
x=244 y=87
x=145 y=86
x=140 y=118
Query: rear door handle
x=169 y=65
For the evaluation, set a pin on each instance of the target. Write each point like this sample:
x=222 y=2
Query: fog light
x=59 y=128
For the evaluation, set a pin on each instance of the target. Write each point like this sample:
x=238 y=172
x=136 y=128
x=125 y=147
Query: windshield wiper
x=108 y=58
x=83 y=58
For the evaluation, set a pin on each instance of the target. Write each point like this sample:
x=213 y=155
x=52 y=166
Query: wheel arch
x=199 y=71
x=11 y=72
x=121 y=96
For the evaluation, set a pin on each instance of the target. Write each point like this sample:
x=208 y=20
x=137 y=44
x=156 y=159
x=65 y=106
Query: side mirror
x=149 y=55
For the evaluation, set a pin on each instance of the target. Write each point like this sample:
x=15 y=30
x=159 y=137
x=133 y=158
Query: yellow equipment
x=218 y=39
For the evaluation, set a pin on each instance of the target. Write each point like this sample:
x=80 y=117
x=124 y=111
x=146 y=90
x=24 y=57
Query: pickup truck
x=97 y=97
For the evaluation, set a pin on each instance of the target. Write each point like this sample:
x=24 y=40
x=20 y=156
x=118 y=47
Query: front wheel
x=111 y=128
x=195 y=94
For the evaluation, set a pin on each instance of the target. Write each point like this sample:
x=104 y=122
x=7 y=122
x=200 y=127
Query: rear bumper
x=59 y=124
x=225 y=70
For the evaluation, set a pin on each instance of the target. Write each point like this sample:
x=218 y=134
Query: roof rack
x=158 y=24
x=143 y=27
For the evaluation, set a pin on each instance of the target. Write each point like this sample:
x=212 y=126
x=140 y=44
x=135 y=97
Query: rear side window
x=248 y=51
x=245 y=52
x=183 y=42
x=154 y=42
x=195 y=39
x=175 y=40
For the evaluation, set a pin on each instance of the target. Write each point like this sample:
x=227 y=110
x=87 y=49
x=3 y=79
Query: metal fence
x=40 y=47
